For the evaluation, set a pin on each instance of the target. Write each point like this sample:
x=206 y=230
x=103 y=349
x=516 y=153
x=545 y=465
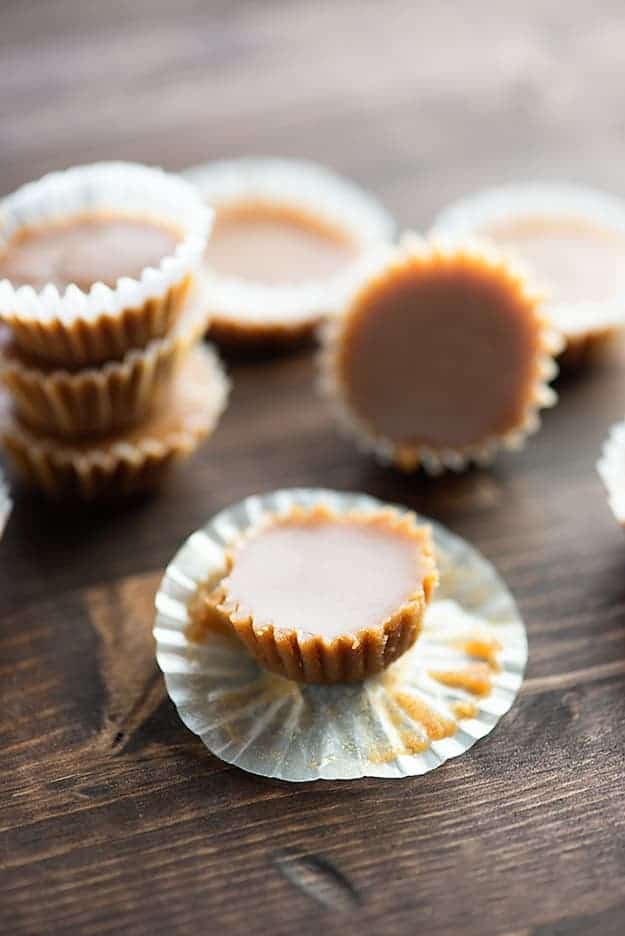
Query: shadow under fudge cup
x=98 y=260
x=572 y=238
x=288 y=236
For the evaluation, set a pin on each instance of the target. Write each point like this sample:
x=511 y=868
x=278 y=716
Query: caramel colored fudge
x=321 y=597
x=440 y=357
x=275 y=244
x=85 y=250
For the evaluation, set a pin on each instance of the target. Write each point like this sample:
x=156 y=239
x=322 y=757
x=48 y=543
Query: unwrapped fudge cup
x=127 y=462
x=573 y=240
x=99 y=400
x=98 y=260
x=441 y=357
x=445 y=692
x=288 y=237
x=324 y=597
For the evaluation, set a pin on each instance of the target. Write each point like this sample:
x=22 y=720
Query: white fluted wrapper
x=433 y=704
x=587 y=326
x=253 y=309
x=611 y=468
x=5 y=503
x=78 y=328
x=409 y=456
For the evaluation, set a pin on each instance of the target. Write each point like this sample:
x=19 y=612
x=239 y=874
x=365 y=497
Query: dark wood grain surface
x=113 y=817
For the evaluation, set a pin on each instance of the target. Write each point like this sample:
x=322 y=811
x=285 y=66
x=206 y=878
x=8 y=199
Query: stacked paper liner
x=105 y=390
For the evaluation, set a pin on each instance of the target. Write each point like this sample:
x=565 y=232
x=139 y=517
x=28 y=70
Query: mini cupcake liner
x=5 y=503
x=251 y=312
x=589 y=327
x=99 y=401
x=444 y=694
x=78 y=329
x=611 y=468
x=345 y=658
x=125 y=463
x=409 y=457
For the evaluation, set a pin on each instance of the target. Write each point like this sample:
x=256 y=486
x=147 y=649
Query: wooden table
x=113 y=817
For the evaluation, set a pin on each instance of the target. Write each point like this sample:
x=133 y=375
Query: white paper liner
x=276 y=728
x=436 y=461
x=473 y=215
x=315 y=189
x=126 y=187
x=611 y=468
x=5 y=503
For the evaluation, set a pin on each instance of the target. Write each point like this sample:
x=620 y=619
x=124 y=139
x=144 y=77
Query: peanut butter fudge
x=98 y=248
x=321 y=597
x=287 y=239
x=273 y=244
x=98 y=260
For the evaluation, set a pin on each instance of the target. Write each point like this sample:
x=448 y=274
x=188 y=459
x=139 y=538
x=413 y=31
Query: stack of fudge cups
x=102 y=311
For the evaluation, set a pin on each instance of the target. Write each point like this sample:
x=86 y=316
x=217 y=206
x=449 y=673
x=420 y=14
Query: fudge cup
x=320 y=216
x=98 y=401
x=5 y=503
x=441 y=357
x=443 y=694
x=128 y=462
x=75 y=326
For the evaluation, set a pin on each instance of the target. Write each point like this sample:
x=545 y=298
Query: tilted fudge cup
x=99 y=400
x=441 y=357
x=127 y=462
x=98 y=260
x=320 y=597
x=611 y=468
x=288 y=236
x=573 y=240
